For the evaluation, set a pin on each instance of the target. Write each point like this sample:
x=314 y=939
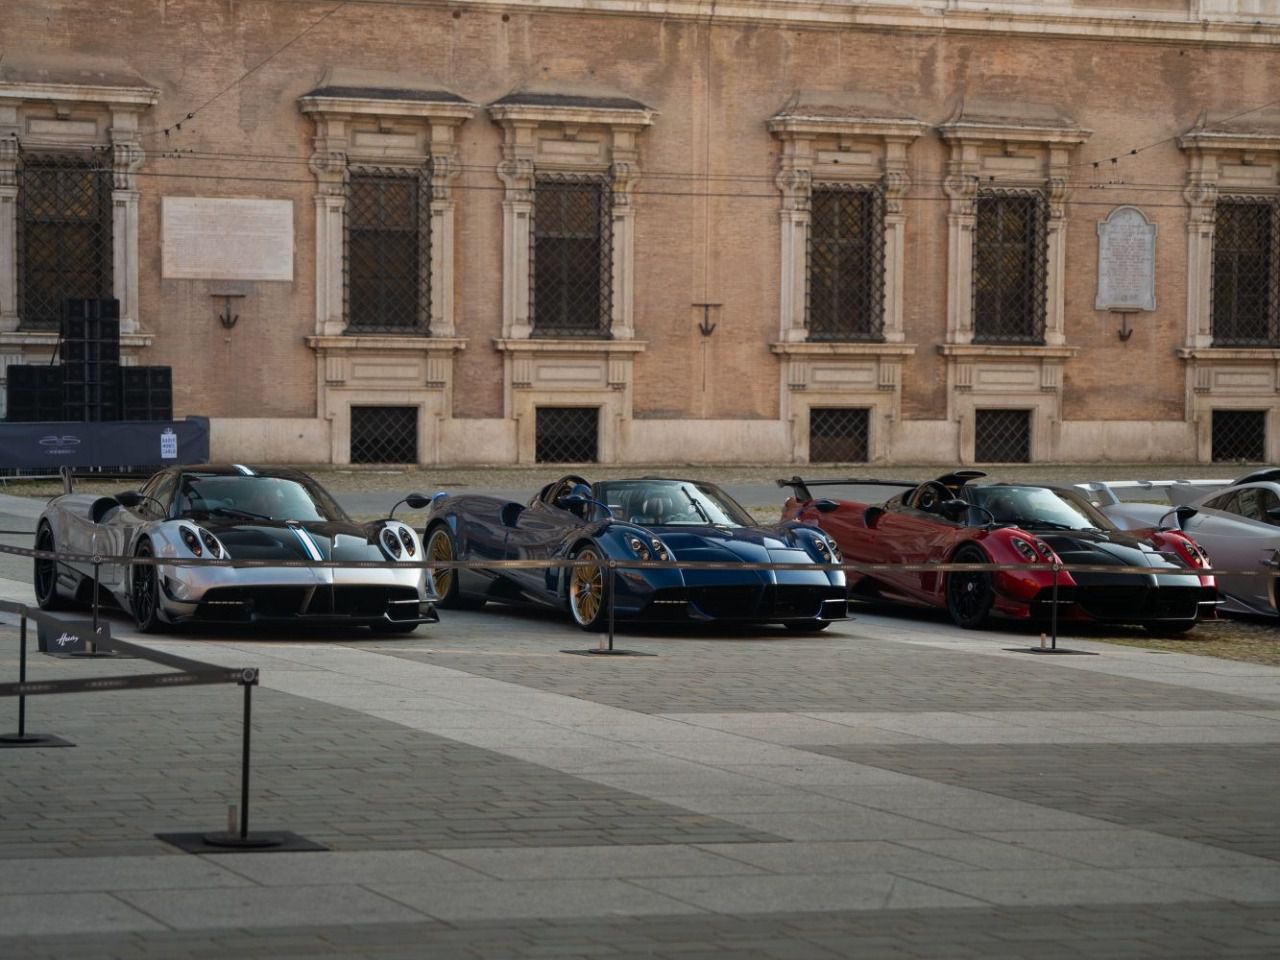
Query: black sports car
x=232 y=512
x=650 y=519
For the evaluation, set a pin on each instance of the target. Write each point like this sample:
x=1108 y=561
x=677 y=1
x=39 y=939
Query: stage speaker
x=33 y=393
x=146 y=393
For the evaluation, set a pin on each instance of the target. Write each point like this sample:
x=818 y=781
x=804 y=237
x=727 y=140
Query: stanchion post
x=92 y=646
x=249 y=682
x=1053 y=614
x=613 y=566
x=22 y=678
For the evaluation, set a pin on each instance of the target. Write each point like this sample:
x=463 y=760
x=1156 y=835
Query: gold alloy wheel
x=440 y=549
x=586 y=589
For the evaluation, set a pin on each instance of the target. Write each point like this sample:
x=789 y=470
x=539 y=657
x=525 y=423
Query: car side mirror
x=511 y=513
x=1183 y=514
x=954 y=510
x=825 y=506
x=417 y=501
x=130 y=498
x=872 y=516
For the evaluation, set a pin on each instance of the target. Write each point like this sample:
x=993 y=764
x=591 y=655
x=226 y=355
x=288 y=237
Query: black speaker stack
x=90 y=384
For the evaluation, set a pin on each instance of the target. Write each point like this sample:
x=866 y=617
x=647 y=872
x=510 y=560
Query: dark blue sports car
x=651 y=519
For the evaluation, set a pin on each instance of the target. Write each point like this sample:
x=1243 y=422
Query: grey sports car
x=232 y=512
x=1236 y=522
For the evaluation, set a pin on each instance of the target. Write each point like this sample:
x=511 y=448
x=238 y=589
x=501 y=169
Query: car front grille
x=280 y=603
x=746 y=602
x=1143 y=603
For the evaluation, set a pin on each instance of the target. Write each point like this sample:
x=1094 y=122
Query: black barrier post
x=22 y=738
x=91 y=645
x=243 y=839
x=1053 y=616
x=613 y=589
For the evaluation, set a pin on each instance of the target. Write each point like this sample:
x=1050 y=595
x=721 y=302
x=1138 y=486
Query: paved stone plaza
x=893 y=787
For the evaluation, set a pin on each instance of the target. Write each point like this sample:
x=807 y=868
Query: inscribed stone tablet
x=216 y=238
x=1126 y=261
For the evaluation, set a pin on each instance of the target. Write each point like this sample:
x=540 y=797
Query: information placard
x=224 y=238
x=1126 y=261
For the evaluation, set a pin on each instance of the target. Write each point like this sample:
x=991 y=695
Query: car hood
x=309 y=540
x=729 y=544
x=1107 y=548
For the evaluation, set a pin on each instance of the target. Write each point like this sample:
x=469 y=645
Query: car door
x=537 y=533
x=1238 y=534
x=907 y=535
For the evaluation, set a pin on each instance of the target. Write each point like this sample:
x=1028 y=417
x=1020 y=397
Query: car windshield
x=671 y=503
x=1038 y=508
x=268 y=498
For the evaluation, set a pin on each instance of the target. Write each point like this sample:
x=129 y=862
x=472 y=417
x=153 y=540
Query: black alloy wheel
x=45 y=575
x=442 y=548
x=970 y=595
x=145 y=593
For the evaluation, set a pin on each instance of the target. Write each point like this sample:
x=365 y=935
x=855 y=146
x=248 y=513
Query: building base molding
x=569 y=373
x=846 y=374
x=384 y=371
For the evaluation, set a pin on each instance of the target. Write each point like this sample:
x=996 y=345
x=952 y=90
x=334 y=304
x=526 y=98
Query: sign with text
x=1126 y=261
x=104 y=443
x=225 y=238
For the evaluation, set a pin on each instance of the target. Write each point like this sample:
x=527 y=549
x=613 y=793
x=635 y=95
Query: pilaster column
x=1056 y=249
x=127 y=156
x=795 y=181
x=329 y=164
x=624 y=174
x=516 y=171
x=896 y=182
x=8 y=234
x=444 y=170
x=1201 y=194
x=961 y=186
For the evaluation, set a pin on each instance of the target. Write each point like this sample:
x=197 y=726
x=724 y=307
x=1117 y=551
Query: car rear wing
x=1106 y=493
x=800 y=487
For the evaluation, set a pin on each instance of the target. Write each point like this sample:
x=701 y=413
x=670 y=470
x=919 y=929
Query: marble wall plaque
x=222 y=238
x=1126 y=261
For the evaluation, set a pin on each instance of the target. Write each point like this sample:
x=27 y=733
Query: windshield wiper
x=1028 y=523
x=237 y=512
x=696 y=505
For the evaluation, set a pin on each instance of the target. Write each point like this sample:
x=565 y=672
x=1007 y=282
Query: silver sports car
x=233 y=512
x=1236 y=522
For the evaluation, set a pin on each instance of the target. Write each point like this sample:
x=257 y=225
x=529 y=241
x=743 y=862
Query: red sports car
x=954 y=520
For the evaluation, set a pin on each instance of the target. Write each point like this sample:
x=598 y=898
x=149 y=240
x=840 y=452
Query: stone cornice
x=1013 y=132
x=824 y=348
x=1000 y=351
x=49 y=338
x=81 y=93
x=436 y=111
x=940 y=17
x=355 y=344
x=566 y=345
x=579 y=115
x=800 y=124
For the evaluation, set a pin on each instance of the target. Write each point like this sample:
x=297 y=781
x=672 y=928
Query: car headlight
x=1027 y=550
x=659 y=549
x=211 y=542
x=407 y=539
x=191 y=540
x=1044 y=550
x=638 y=547
x=836 y=555
x=391 y=543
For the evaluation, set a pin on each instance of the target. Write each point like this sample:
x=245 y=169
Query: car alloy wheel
x=587 y=591
x=46 y=572
x=145 y=594
x=969 y=593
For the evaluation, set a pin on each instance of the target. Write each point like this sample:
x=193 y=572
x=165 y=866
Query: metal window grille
x=567 y=434
x=64 y=233
x=1002 y=436
x=1239 y=436
x=571 y=275
x=845 y=268
x=384 y=434
x=839 y=434
x=388 y=251
x=1010 y=267
x=1246 y=278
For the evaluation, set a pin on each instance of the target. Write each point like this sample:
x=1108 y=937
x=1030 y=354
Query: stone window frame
x=67 y=118
x=567 y=134
x=383 y=128
x=840 y=150
x=1240 y=158
x=1001 y=156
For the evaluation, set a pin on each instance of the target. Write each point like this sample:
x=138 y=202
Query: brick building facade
x=492 y=233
